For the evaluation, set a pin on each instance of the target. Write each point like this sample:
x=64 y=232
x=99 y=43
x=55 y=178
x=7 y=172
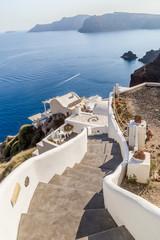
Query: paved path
x=71 y=205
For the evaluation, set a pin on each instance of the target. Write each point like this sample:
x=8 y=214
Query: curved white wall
x=39 y=169
x=139 y=216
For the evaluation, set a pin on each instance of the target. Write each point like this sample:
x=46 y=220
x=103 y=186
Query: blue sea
x=35 y=66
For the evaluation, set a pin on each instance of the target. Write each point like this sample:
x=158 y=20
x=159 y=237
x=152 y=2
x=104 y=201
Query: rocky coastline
x=147 y=73
x=150 y=56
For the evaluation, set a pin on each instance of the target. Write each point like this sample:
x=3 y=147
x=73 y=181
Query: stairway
x=71 y=205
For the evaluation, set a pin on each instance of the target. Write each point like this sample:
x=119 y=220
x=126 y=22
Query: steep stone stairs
x=71 y=205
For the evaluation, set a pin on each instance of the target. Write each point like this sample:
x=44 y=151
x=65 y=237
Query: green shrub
x=15 y=148
x=57 y=123
x=8 y=147
x=37 y=137
x=25 y=136
x=28 y=137
x=132 y=179
x=153 y=165
x=7 y=150
x=149 y=183
x=127 y=115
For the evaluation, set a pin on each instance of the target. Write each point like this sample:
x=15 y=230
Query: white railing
x=139 y=216
x=139 y=86
x=39 y=169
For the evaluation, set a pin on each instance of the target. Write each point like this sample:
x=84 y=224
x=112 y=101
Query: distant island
x=117 y=21
x=65 y=24
x=129 y=56
x=120 y=21
x=10 y=31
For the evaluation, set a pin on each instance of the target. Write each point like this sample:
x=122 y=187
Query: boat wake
x=67 y=80
x=23 y=54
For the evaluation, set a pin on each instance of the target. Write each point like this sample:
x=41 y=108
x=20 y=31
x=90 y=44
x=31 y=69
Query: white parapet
x=140 y=217
x=139 y=169
x=137 y=133
x=78 y=110
x=37 y=169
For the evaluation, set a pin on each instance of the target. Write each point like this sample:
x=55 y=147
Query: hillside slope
x=120 y=21
x=65 y=24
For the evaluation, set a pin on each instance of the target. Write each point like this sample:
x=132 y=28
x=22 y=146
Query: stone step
x=103 y=162
x=64 y=225
x=85 y=170
x=76 y=171
x=94 y=221
x=111 y=148
x=98 y=141
x=68 y=182
x=89 y=169
x=97 y=202
x=101 y=137
x=48 y=199
x=94 y=156
x=94 y=148
x=118 y=233
x=84 y=177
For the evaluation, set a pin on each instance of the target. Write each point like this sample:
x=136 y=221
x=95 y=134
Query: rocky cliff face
x=150 y=56
x=65 y=24
x=120 y=21
x=147 y=73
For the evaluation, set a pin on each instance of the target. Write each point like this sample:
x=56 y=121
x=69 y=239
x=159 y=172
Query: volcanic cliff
x=147 y=73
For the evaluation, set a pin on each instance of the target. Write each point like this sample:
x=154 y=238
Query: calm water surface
x=34 y=67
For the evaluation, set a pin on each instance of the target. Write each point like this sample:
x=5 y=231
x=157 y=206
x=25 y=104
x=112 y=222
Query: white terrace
x=92 y=112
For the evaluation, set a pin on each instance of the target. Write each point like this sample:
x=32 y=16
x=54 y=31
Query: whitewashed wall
x=39 y=169
x=139 y=216
x=137 y=87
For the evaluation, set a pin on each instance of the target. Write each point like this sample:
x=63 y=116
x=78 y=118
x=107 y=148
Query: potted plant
x=68 y=127
x=139 y=155
x=138 y=119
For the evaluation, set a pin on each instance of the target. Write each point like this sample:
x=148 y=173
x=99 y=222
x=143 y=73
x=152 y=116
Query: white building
x=64 y=104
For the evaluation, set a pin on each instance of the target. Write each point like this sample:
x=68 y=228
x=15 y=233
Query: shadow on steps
x=94 y=221
x=96 y=202
x=111 y=165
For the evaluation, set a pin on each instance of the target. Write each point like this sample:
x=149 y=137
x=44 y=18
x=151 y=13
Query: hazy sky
x=24 y=14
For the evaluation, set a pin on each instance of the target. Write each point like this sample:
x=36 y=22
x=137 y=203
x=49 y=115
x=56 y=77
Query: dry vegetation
x=149 y=191
x=8 y=167
x=17 y=149
x=145 y=102
x=121 y=112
